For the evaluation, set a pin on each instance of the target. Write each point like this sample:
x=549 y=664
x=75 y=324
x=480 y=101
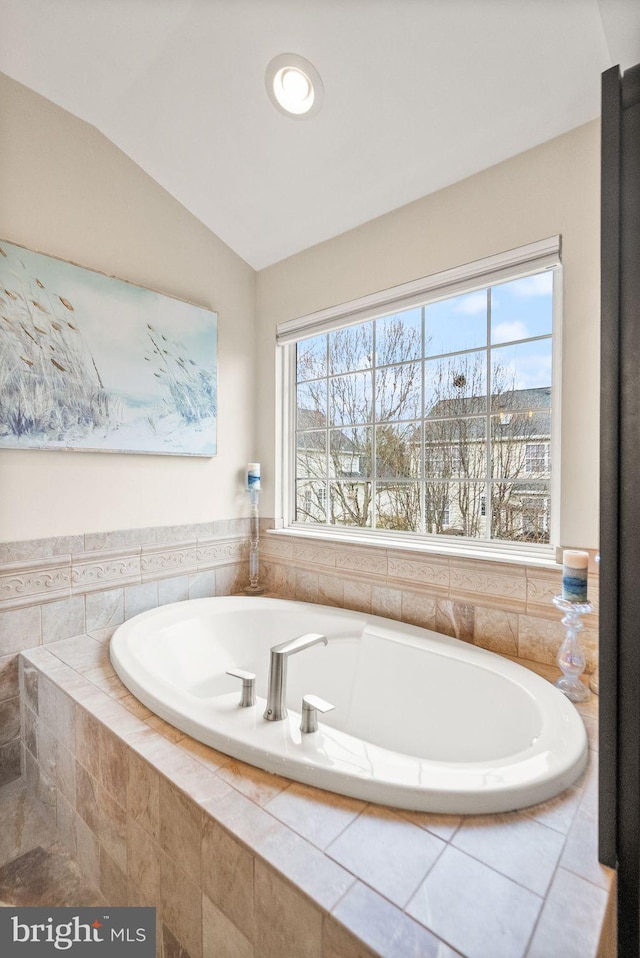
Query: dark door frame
x=619 y=787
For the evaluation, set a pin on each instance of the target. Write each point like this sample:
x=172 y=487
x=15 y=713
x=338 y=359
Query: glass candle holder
x=571 y=658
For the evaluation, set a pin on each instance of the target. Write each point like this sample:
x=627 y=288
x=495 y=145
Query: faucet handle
x=311 y=705
x=248 y=694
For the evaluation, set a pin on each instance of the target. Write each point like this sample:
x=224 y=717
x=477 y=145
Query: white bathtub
x=421 y=721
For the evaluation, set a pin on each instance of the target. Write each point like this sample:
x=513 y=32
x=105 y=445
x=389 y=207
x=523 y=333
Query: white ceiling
x=418 y=94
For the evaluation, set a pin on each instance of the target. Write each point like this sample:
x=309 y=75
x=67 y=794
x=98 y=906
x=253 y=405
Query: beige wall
x=66 y=190
x=551 y=189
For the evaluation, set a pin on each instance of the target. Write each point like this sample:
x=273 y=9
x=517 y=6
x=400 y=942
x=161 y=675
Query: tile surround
x=244 y=863
x=284 y=848
x=69 y=586
x=501 y=606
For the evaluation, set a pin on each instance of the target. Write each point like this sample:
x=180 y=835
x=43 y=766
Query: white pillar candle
x=575 y=565
x=253 y=476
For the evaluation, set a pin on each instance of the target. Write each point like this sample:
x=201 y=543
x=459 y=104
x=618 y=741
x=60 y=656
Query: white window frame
x=502 y=267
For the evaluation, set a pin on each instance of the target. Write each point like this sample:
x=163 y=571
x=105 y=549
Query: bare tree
x=343 y=387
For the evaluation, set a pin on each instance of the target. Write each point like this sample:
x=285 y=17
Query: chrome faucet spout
x=277 y=693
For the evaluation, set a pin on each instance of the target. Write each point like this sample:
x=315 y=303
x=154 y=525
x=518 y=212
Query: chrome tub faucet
x=277 y=693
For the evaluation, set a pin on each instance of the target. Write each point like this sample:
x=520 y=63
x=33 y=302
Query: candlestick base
x=571 y=658
x=253 y=590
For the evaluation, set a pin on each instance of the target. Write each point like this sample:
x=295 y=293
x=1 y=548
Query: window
x=537 y=458
x=429 y=420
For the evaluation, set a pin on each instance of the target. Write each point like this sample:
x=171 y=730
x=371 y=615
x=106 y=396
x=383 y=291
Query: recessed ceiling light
x=294 y=85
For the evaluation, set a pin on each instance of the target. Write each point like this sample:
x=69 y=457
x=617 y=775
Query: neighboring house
x=457 y=474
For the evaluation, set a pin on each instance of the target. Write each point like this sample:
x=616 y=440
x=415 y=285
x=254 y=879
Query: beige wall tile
x=227 y=877
x=496 y=630
x=330 y=590
x=66 y=774
x=114 y=771
x=113 y=881
x=418 y=609
x=455 y=619
x=539 y=639
x=143 y=861
x=104 y=609
x=279 y=578
x=181 y=904
x=65 y=721
x=9 y=719
x=220 y=937
x=87 y=850
x=48 y=693
x=65 y=824
x=338 y=943
x=231 y=579
x=63 y=619
x=181 y=823
x=386 y=601
x=357 y=595
x=112 y=828
x=289 y=924
x=29 y=681
x=30 y=730
x=87 y=798
x=20 y=629
x=9 y=684
x=88 y=741
x=47 y=750
x=306 y=585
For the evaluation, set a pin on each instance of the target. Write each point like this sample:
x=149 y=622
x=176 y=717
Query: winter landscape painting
x=91 y=362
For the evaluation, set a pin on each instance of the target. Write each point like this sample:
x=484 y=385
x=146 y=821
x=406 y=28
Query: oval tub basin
x=420 y=721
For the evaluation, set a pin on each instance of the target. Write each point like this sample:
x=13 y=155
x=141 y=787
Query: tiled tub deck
x=245 y=864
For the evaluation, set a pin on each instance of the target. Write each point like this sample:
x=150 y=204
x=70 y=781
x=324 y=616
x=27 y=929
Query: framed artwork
x=91 y=362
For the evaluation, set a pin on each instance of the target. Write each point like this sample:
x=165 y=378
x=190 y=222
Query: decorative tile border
x=163 y=561
x=95 y=571
x=104 y=561
x=21 y=581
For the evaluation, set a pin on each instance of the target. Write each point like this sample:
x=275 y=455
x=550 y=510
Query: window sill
x=542 y=556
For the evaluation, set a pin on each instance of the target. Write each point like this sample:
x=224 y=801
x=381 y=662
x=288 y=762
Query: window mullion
x=327 y=480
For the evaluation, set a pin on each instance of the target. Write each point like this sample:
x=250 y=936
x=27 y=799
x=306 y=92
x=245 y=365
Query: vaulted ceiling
x=417 y=94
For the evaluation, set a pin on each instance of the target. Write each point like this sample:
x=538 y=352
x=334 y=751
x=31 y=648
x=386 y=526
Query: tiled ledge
x=504 y=607
x=242 y=859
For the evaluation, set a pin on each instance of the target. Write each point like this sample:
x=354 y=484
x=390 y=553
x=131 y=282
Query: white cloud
x=472 y=304
x=509 y=331
x=539 y=285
